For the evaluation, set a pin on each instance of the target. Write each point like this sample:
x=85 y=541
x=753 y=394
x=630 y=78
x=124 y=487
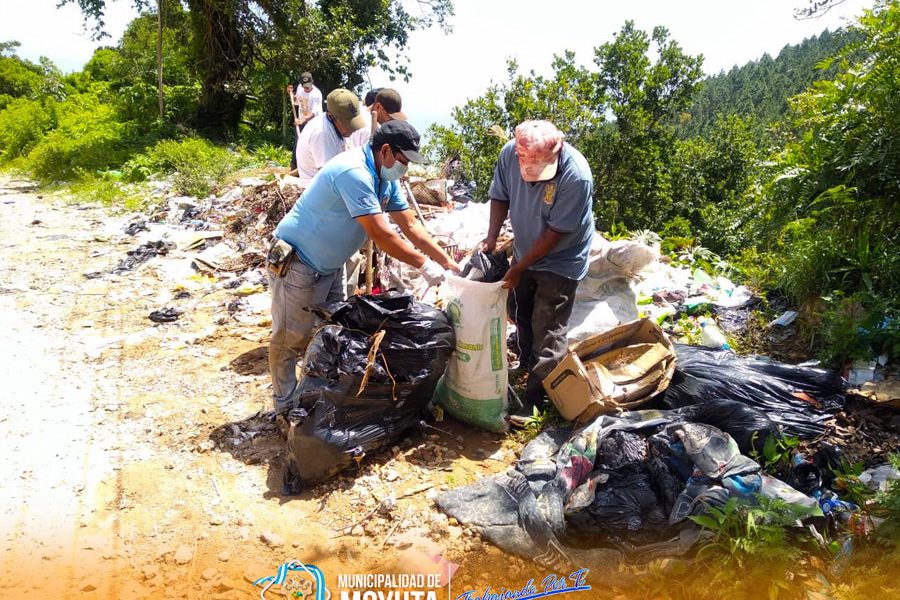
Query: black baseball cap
x=306 y=77
x=371 y=95
x=401 y=137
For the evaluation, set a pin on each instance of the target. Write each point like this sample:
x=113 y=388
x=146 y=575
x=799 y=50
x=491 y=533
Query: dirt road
x=137 y=459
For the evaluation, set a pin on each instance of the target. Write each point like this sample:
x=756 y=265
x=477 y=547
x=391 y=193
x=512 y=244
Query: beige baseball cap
x=344 y=107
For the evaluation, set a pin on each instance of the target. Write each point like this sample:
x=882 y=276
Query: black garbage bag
x=627 y=504
x=487 y=268
x=621 y=449
x=348 y=405
x=799 y=399
x=748 y=426
x=830 y=459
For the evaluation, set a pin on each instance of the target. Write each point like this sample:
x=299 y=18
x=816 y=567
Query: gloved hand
x=432 y=272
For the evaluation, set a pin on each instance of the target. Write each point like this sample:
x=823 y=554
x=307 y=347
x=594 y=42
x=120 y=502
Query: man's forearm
x=499 y=211
x=395 y=246
x=422 y=240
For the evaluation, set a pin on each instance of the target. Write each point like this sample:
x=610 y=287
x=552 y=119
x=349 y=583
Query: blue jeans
x=293 y=325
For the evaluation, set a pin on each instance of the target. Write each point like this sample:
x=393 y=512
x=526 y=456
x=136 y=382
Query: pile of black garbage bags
x=361 y=391
x=631 y=481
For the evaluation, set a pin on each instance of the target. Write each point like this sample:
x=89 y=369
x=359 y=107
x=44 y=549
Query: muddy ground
x=139 y=461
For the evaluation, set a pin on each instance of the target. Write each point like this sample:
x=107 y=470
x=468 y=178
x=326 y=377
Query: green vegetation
x=227 y=63
x=759 y=90
x=782 y=173
x=755 y=549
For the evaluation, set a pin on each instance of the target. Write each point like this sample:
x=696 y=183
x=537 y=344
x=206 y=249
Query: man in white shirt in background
x=329 y=134
x=308 y=99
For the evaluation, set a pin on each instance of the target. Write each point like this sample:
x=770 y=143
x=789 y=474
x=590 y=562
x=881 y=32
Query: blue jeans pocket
x=301 y=275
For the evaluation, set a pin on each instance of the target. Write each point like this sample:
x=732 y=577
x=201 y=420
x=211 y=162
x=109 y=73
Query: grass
x=113 y=194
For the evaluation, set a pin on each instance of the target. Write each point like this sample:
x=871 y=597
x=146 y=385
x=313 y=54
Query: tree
x=18 y=77
x=132 y=71
x=338 y=39
x=815 y=8
x=633 y=156
x=482 y=126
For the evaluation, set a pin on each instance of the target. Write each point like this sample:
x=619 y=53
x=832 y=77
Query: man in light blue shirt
x=344 y=203
x=545 y=186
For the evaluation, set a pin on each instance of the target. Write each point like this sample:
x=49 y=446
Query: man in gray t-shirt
x=545 y=186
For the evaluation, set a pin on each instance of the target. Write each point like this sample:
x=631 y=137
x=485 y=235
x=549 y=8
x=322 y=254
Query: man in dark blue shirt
x=545 y=187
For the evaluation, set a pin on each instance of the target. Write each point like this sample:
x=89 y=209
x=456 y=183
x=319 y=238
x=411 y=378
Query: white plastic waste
x=879 y=478
x=711 y=336
x=605 y=298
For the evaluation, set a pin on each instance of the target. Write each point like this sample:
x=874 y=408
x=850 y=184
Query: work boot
x=520 y=417
x=534 y=397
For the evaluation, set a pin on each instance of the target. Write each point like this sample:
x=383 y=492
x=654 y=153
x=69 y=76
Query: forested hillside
x=787 y=171
x=759 y=90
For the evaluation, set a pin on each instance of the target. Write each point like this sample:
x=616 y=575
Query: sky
x=449 y=69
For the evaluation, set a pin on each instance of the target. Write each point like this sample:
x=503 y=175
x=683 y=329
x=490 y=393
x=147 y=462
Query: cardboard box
x=617 y=370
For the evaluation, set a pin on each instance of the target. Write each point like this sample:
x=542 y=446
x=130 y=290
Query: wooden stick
x=290 y=91
x=370 y=266
x=412 y=200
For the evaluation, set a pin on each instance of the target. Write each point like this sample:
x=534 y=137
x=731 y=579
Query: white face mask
x=393 y=173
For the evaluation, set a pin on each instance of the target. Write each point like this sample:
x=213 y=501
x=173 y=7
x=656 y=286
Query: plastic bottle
x=711 y=336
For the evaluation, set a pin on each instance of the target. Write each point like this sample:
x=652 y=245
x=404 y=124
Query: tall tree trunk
x=221 y=52
x=159 y=64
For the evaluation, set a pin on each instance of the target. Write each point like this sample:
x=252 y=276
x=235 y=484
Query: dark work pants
x=541 y=306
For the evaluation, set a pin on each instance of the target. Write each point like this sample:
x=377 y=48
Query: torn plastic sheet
x=142 y=254
x=605 y=297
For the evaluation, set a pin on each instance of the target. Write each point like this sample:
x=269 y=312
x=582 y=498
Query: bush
x=859 y=326
x=270 y=153
x=22 y=125
x=757 y=270
x=89 y=137
x=197 y=164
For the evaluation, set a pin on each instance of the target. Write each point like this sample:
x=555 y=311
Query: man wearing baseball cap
x=545 y=186
x=346 y=201
x=308 y=100
x=388 y=106
x=329 y=134
x=361 y=137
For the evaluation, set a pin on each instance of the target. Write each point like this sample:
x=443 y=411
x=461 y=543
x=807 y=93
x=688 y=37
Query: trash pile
x=632 y=481
x=660 y=432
